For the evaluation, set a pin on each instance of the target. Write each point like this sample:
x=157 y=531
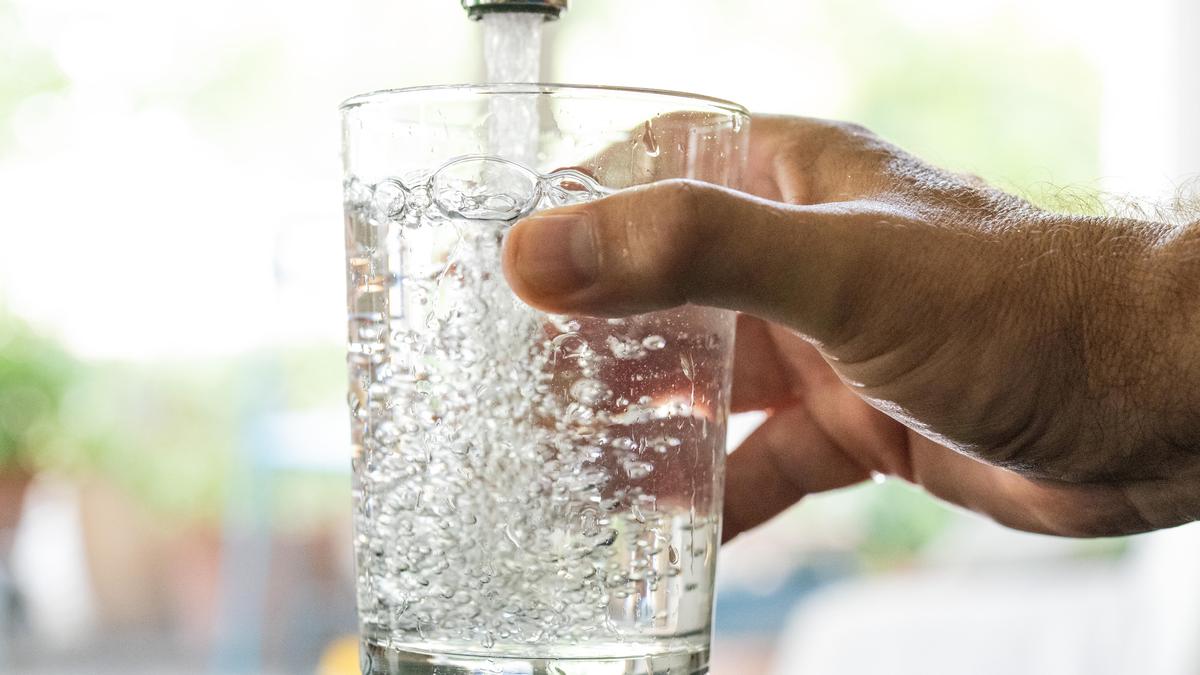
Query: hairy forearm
x=1129 y=293
x=1171 y=278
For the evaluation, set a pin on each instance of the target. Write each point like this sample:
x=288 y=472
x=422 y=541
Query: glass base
x=377 y=660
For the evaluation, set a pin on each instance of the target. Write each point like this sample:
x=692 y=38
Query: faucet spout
x=551 y=9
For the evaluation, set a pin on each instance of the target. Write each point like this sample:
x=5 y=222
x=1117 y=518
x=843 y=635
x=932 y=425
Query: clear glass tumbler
x=533 y=493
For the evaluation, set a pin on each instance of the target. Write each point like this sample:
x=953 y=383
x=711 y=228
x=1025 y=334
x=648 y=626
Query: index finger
x=682 y=144
x=797 y=160
x=806 y=160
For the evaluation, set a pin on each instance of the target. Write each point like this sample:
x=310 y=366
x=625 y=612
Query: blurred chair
x=1139 y=614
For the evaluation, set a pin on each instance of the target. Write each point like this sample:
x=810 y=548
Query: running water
x=512 y=46
x=512 y=53
x=529 y=488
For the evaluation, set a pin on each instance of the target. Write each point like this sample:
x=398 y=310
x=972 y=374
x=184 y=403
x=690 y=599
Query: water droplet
x=649 y=142
x=635 y=514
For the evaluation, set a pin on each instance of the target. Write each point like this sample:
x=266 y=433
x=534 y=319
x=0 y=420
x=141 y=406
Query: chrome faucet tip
x=552 y=9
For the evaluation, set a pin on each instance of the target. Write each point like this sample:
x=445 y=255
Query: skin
x=1038 y=368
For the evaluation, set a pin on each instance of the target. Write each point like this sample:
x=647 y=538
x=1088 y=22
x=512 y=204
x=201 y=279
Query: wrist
x=1169 y=282
x=1075 y=299
x=1121 y=297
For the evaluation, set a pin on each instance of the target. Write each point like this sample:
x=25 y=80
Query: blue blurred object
x=276 y=444
x=743 y=612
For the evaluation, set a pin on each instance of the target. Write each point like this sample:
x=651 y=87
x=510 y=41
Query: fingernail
x=556 y=253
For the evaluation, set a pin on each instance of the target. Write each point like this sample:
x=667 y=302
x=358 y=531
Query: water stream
x=512 y=53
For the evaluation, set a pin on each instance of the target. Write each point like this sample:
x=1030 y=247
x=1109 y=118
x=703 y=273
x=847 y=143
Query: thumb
x=675 y=242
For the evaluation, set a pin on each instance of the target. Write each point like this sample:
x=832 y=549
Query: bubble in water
x=588 y=391
x=571 y=186
x=571 y=345
x=472 y=187
x=654 y=342
x=624 y=347
x=389 y=200
x=624 y=443
x=485 y=188
x=387 y=432
x=564 y=325
x=356 y=192
x=420 y=198
x=637 y=469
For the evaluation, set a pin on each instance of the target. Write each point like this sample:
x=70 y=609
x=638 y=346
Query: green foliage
x=161 y=432
x=899 y=520
x=34 y=375
x=171 y=434
x=996 y=100
x=174 y=434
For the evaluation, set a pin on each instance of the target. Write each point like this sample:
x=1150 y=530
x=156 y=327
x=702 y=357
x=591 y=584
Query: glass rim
x=540 y=88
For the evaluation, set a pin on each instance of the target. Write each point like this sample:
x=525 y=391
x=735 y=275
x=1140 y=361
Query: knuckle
x=839 y=132
x=682 y=194
x=853 y=129
x=664 y=234
x=682 y=203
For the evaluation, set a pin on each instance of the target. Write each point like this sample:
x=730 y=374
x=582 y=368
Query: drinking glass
x=533 y=493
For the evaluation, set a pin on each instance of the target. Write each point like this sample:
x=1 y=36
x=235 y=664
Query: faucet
x=552 y=9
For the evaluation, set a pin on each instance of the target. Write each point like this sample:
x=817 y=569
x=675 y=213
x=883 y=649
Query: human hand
x=1038 y=368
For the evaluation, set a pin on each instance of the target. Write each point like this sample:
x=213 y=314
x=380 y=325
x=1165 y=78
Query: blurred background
x=174 y=489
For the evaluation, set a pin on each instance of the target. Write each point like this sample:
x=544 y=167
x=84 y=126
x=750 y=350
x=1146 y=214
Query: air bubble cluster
x=521 y=479
x=472 y=187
